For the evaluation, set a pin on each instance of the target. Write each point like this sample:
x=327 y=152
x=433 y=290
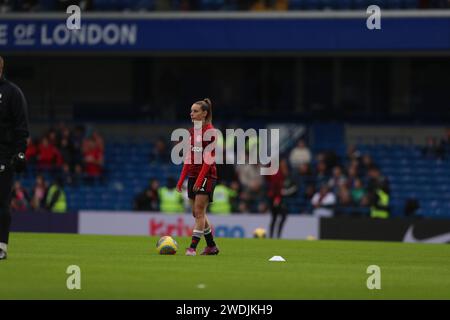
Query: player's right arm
x=184 y=171
x=183 y=175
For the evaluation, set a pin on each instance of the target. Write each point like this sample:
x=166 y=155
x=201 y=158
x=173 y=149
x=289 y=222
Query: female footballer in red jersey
x=201 y=179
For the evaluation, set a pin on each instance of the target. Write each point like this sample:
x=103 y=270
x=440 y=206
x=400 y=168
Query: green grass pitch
x=125 y=267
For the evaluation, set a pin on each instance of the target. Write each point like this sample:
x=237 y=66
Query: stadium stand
x=412 y=174
x=217 y=5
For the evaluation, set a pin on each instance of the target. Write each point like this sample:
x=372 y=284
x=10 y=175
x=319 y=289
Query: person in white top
x=300 y=154
x=324 y=202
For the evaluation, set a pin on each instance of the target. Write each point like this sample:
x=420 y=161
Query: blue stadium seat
x=311 y=4
x=129 y=172
x=296 y=4
x=47 y=5
x=106 y=5
x=394 y=4
x=327 y=4
x=381 y=3
x=360 y=4
x=343 y=4
x=410 y=4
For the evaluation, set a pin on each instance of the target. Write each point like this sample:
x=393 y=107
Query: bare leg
x=200 y=205
x=207 y=224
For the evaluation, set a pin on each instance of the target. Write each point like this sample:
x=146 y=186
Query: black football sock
x=209 y=238
x=5 y=222
x=196 y=236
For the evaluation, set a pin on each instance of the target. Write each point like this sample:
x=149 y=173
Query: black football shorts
x=207 y=187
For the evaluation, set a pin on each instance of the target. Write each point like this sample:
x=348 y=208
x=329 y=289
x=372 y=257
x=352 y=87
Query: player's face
x=197 y=114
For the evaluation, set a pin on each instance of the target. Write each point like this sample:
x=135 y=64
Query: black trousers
x=6 y=183
x=279 y=213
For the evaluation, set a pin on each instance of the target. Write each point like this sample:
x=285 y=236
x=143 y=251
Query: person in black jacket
x=13 y=142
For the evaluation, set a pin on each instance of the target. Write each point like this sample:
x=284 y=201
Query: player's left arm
x=20 y=128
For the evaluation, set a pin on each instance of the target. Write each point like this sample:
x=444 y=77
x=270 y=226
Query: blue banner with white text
x=224 y=35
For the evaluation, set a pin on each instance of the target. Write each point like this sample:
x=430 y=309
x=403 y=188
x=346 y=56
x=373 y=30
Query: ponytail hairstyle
x=206 y=105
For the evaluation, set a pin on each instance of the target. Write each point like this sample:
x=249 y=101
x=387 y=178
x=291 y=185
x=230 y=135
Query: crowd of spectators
x=325 y=184
x=183 y=5
x=437 y=149
x=67 y=157
x=42 y=196
x=74 y=155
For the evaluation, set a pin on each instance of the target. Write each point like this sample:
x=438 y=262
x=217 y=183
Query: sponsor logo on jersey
x=197 y=149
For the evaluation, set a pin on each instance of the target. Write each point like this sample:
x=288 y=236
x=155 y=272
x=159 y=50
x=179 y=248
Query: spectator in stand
x=305 y=180
x=53 y=137
x=234 y=185
x=55 y=200
x=223 y=196
x=445 y=142
x=310 y=191
x=60 y=128
x=300 y=154
x=25 y=5
x=337 y=180
x=377 y=181
x=379 y=204
x=367 y=163
x=321 y=173
x=148 y=200
x=99 y=142
x=433 y=150
x=304 y=175
x=344 y=200
x=252 y=197
x=89 y=137
x=78 y=175
x=6 y=6
x=352 y=175
x=411 y=207
x=282 y=5
x=330 y=158
x=249 y=175
x=38 y=194
x=83 y=4
x=160 y=152
x=93 y=160
x=20 y=200
x=66 y=151
x=32 y=151
x=357 y=165
x=65 y=132
x=358 y=193
x=263 y=5
x=77 y=144
x=66 y=175
x=171 y=201
x=48 y=157
x=353 y=153
x=324 y=202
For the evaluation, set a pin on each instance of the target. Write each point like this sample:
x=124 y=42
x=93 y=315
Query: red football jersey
x=194 y=169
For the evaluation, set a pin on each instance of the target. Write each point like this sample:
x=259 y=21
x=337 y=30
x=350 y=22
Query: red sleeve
x=209 y=159
x=183 y=175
